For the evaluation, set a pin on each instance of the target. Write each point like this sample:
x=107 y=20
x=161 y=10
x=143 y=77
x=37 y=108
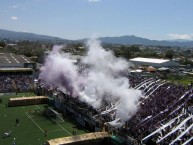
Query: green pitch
x=32 y=124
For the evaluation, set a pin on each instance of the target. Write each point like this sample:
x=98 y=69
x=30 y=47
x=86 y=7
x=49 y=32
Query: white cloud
x=14 y=6
x=18 y=6
x=181 y=36
x=93 y=1
x=14 y=18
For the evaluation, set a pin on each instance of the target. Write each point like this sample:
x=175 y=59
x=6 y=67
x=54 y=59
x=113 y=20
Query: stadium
x=154 y=62
x=56 y=112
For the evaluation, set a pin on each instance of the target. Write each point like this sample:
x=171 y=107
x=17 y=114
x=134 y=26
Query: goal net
x=54 y=115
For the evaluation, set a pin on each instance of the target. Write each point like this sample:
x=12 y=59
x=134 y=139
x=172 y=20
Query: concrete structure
x=10 y=60
x=79 y=139
x=23 y=101
x=154 y=62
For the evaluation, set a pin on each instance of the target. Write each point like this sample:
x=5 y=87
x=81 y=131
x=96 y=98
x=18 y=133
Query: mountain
x=124 y=40
x=12 y=35
x=129 y=40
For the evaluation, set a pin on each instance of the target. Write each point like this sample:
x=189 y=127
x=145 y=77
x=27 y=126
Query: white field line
x=34 y=122
x=64 y=129
x=38 y=107
x=55 y=130
x=58 y=124
x=39 y=126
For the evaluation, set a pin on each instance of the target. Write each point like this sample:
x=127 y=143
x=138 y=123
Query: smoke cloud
x=59 y=72
x=101 y=82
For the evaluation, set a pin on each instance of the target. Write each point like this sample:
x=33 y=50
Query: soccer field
x=32 y=124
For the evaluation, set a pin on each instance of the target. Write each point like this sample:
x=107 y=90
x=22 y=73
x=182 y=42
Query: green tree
x=169 y=54
x=2 y=44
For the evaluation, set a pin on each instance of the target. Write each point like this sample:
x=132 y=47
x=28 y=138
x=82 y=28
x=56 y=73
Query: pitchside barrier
x=78 y=138
x=23 y=101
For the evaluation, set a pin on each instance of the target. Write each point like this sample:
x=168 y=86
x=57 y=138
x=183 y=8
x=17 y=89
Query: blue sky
x=74 y=19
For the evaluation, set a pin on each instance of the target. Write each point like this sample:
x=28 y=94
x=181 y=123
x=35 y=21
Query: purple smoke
x=98 y=84
x=59 y=71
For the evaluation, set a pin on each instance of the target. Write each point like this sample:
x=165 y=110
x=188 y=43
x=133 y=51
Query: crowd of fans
x=16 y=83
x=165 y=114
x=163 y=110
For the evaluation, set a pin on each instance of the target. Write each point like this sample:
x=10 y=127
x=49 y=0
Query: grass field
x=32 y=124
x=185 y=80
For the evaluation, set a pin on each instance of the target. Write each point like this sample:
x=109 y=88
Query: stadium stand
x=16 y=83
x=165 y=114
x=16 y=73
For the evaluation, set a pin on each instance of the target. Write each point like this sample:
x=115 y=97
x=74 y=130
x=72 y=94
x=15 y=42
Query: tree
x=169 y=54
x=2 y=44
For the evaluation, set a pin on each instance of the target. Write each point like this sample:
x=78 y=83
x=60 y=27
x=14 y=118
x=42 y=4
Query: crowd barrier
x=23 y=101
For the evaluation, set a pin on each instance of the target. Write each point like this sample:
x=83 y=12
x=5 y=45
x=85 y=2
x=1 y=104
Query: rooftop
x=151 y=60
x=13 y=69
x=8 y=58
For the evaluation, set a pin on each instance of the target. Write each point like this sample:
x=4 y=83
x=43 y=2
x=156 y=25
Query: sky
x=77 y=19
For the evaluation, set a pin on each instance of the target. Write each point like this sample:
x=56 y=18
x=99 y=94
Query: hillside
x=12 y=35
x=124 y=40
x=128 y=40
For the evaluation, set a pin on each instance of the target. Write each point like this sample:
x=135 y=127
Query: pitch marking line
x=56 y=130
x=30 y=116
x=64 y=129
x=39 y=126
x=34 y=122
x=38 y=107
x=58 y=123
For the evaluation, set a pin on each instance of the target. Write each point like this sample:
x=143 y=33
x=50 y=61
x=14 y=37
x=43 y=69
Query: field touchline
x=34 y=122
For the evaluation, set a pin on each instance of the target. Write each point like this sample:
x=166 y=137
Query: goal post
x=54 y=115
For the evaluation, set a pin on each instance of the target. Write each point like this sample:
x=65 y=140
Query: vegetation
x=182 y=79
x=35 y=50
x=169 y=54
x=32 y=124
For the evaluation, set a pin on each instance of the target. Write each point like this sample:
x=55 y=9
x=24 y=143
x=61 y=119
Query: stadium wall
x=82 y=119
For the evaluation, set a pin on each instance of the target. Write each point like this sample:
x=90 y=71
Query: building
x=154 y=62
x=10 y=60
